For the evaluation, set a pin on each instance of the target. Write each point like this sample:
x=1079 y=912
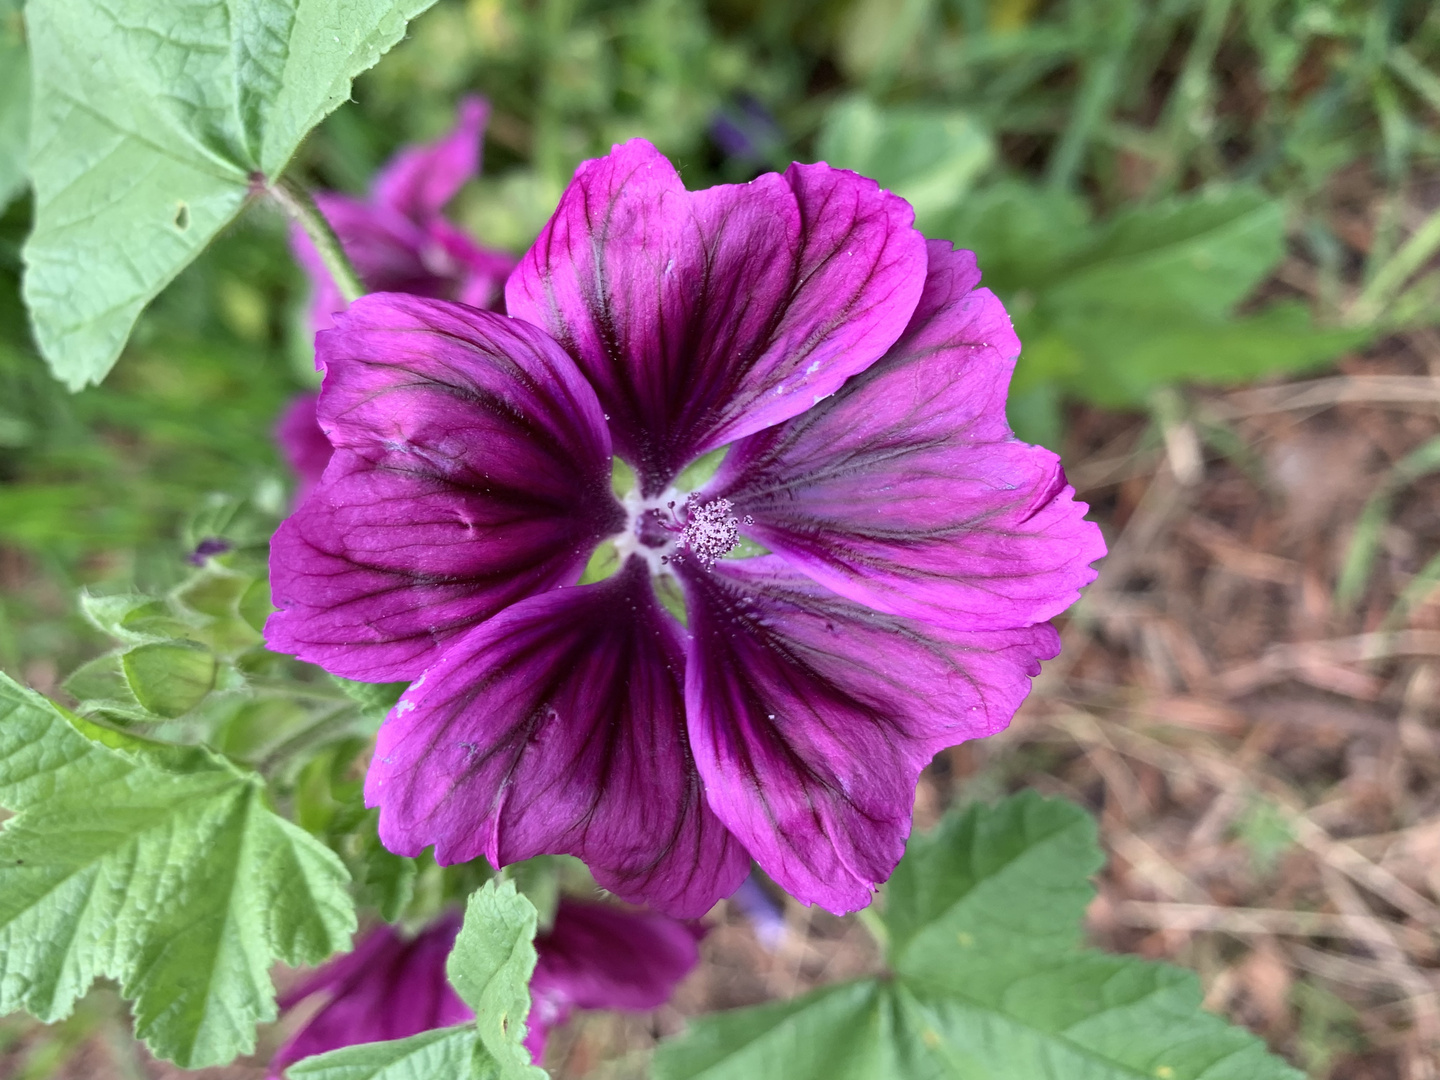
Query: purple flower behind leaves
x=387 y=988
x=746 y=132
x=399 y=240
x=205 y=549
x=766 y=917
x=596 y=956
x=857 y=375
x=600 y=957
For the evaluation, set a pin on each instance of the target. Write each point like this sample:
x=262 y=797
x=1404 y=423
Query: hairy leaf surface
x=152 y=122
x=490 y=968
x=160 y=867
x=988 y=981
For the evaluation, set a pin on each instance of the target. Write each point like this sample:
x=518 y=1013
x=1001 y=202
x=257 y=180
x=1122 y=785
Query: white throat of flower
x=627 y=542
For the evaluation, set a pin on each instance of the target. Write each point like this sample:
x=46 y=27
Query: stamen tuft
x=710 y=531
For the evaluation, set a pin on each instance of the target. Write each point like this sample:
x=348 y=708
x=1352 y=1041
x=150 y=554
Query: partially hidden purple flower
x=595 y=956
x=766 y=917
x=207 y=548
x=691 y=711
x=304 y=445
x=399 y=240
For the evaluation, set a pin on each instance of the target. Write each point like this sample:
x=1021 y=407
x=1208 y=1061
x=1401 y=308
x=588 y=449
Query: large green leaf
x=14 y=101
x=1126 y=354
x=1109 y=312
x=153 y=120
x=1081 y=1016
x=988 y=981
x=159 y=867
x=1022 y=234
x=452 y=1053
x=1201 y=254
x=844 y=1032
x=990 y=880
x=490 y=968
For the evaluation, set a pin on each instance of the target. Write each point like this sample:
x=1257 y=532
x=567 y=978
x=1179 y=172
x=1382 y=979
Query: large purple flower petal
x=471 y=469
x=907 y=491
x=597 y=956
x=419 y=180
x=811 y=717
x=388 y=988
x=558 y=726
x=701 y=317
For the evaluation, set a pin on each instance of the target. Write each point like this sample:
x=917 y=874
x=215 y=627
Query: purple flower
x=599 y=957
x=399 y=241
x=206 y=548
x=857 y=375
x=304 y=445
x=595 y=957
x=766 y=917
x=387 y=988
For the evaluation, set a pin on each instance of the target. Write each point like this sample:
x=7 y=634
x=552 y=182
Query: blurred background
x=1215 y=223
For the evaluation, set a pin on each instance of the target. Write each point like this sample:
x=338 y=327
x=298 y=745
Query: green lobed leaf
x=1023 y=236
x=844 y=1032
x=452 y=1053
x=160 y=867
x=1201 y=254
x=14 y=101
x=1109 y=312
x=989 y=981
x=490 y=968
x=1082 y=1016
x=151 y=120
x=1125 y=355
x=989 y=880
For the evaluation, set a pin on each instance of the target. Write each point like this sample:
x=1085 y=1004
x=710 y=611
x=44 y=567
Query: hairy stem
x=301 y=209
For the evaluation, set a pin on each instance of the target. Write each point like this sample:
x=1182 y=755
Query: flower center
x=669 y=528
x=676 y=526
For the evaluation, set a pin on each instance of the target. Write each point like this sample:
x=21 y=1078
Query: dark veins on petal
x=906 y=491
x=703 y=316
x=558 y=726
x=811 y=717
x=471 y=469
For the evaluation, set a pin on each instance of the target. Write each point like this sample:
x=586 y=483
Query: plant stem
x=301 y=209
x=870 y=919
